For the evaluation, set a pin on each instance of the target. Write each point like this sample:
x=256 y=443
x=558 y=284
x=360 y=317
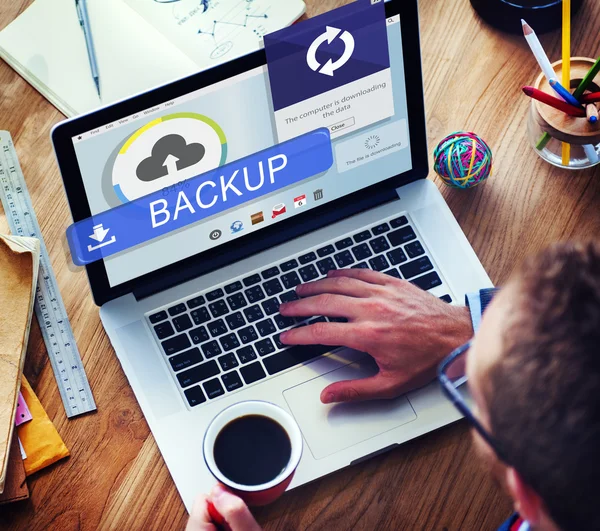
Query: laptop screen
x=367 y=121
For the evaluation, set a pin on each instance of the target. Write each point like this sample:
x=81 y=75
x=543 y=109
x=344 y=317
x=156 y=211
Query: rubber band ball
x=463 y=160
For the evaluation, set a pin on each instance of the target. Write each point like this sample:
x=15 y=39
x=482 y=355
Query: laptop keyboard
x=227 y=338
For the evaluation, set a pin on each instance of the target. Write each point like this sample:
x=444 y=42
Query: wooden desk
x=116 y=479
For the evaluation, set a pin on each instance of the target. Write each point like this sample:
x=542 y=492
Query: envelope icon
x=278 y=210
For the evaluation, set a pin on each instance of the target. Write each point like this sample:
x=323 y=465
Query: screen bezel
x=254 y=242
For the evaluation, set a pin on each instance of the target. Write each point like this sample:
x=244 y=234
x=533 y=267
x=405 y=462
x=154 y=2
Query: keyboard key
x=380 y=229
x=253 y=372
x=229 y=361
x=265 y=347
x=289 y=296
x=270 y=273
x=414 y=249
x=272 y=287
x=361 y=265
x=271 y=306
x=337 y=319
x=293 y=356
x=289 y=265
x=235 y=320
x=211 y=349
x=255 y=294
x=158 y=317
x=199 y=335
x=325 y=251
x=327 y=264
x=195 y=302
x=229 y=342
x=217 y=328
x=428 y=281
x=317 y=320
x=277 y=340
x=164 y=330
x=213 y=388
x=232 y=381
x=398 y=222
x=182 y=323
x=195 y=396
x=416 y=267
x=246 y=354
x=379 y=263
x=361 y=251
x=400 y=236
x=266 y=327
x=218 y=308
x=236 y=301
x=200 y=316
x=379 y=245
x=306 y=258
x=362 y=236
x=344 y=244
x=290 y=280
x=283 y=322
x=251 y=280
x=248 y=334
x=393 y=273
x=344 y=259
x=308 y=273
x=397 y=256
x=446 y=298
x=176 y=310
x=233 y=287
x=214 y=294
x=198 y=373
x=186 y=359
x=254 y=313
x=176 y=344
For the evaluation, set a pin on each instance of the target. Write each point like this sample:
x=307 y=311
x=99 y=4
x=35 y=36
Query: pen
x=592 y=97
x=84 y=21
x=538 y=51
x=564 y=93
x=592 y=113
x=554 y=102
x=585 y=82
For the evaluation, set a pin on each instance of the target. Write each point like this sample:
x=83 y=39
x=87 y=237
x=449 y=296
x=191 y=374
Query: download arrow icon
x=99 y=233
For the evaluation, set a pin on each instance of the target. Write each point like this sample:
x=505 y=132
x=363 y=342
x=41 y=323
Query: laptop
x=193 y=313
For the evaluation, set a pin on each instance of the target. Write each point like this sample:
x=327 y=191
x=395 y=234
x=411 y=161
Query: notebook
x=139 y=43
x=19 y=263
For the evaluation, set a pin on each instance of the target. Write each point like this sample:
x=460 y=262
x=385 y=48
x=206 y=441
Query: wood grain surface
x=115 y=477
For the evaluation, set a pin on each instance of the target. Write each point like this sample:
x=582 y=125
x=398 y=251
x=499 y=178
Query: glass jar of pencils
x=565 y=140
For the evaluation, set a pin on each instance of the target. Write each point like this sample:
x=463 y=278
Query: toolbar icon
x=99 y=234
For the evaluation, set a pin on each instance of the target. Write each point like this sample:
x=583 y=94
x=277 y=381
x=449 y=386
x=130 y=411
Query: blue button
x=195 y=199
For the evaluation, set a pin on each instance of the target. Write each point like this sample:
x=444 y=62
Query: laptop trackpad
x=329 y=428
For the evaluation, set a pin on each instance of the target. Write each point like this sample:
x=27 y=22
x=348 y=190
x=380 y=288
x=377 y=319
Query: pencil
x=546 y=98
x=592 y=97
x=564 y=93
x=566 y=68
x=592 y=113
x=538 y=51
x=585 y=82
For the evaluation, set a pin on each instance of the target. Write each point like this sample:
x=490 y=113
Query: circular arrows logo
x=330 y=66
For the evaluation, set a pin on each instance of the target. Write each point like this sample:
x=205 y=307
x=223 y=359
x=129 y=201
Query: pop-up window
x=331 y=71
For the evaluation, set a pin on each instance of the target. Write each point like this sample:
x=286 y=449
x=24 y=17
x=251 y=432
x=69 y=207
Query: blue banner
x=198 y=198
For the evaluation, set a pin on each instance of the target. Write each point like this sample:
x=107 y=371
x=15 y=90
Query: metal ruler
x=49 y=307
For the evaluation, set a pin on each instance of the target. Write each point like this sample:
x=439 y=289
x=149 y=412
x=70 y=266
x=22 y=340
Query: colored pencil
x=566 y=70
x=585 y=82
x=538 y=51
x=591 y=153
x=564 y=93
x=592 y=97
x=592 y=113
x=546 y=98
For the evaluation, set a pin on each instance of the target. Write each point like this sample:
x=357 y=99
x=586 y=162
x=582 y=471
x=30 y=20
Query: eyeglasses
x=453 y=378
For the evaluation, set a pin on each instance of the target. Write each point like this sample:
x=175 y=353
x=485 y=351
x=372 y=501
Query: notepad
x=139 y=44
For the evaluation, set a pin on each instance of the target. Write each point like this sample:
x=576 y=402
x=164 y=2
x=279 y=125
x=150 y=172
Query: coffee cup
x=253 y=448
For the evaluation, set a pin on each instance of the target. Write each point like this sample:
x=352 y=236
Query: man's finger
x=366 y=275
x=371 y=388
x=199 y=518
x=324 y=304
x=331 y=334
x=340 y=285
x=233 y=509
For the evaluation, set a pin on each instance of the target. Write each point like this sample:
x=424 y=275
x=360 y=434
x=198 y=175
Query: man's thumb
x=357 y=390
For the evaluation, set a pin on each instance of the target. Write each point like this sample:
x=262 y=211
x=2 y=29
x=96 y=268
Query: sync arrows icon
x=99 y=234
x=329 y=36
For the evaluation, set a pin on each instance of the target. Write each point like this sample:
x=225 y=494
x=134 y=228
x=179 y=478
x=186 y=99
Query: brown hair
x=544 y=393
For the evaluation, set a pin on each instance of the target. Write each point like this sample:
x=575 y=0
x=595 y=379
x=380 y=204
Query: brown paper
x=15 y=488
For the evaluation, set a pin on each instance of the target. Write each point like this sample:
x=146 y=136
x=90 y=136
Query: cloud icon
x=169 y=155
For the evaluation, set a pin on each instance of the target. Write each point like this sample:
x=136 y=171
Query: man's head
x=534 y=372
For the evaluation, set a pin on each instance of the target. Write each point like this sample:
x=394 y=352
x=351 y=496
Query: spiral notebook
x=139 y=44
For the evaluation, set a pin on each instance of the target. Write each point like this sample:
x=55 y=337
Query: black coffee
x=252 y=450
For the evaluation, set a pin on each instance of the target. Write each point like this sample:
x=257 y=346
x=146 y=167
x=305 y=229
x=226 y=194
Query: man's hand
x=407 y=331
x=232 y=509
